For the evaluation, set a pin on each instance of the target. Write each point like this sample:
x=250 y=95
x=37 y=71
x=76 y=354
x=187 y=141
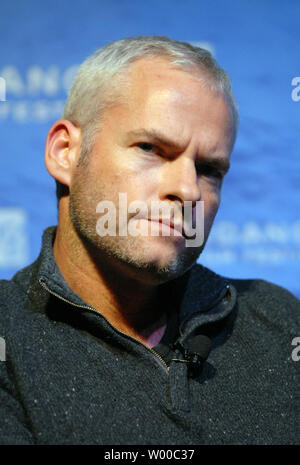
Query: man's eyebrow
x=156 y=137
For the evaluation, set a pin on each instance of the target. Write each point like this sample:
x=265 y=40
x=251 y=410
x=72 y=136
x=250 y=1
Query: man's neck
x=131 y=306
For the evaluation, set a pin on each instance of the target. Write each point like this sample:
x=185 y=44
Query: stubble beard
x=130 y=253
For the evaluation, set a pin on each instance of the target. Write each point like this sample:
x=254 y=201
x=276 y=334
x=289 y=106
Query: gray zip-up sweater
x=71 y=378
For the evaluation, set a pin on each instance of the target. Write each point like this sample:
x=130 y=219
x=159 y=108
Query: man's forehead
x=167 y=111
x=174 y=125
x=153 y=79
x=156 y=69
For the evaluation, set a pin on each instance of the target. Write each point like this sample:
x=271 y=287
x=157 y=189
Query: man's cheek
x=210 y=212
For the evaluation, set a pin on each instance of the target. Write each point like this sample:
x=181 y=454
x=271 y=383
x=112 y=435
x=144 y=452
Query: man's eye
x=146 y=146
x=210 y=171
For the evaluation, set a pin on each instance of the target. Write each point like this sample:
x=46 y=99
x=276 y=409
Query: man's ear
x=62 y=150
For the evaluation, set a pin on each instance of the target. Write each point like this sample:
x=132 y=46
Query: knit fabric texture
x=69 y=377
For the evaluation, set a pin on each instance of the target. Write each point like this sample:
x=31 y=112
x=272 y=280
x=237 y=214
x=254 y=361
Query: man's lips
x=170 y=224
x=178 y=226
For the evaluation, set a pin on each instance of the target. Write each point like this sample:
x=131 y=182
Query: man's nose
x=180 y=181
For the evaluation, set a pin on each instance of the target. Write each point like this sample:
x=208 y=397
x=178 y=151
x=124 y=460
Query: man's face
x=169 y=140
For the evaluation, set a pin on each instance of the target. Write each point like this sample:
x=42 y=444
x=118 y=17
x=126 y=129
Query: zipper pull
x=179 y=383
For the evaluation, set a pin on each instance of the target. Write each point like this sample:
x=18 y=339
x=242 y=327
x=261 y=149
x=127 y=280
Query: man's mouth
x=169 y=225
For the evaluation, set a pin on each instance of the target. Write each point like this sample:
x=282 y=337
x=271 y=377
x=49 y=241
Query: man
x=107 y=333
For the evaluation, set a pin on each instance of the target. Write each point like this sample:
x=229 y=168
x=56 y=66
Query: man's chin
x=156 y=268
x=153 y=262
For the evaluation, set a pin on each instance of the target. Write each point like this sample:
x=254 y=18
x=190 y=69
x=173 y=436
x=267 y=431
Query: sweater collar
x=200 y=295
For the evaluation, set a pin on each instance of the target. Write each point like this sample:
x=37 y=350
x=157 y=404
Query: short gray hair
x=97 y=84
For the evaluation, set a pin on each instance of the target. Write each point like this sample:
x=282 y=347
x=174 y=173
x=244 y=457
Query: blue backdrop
x=257 y=230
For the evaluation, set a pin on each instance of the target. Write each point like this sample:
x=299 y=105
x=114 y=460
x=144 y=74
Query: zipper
x=87 y=307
